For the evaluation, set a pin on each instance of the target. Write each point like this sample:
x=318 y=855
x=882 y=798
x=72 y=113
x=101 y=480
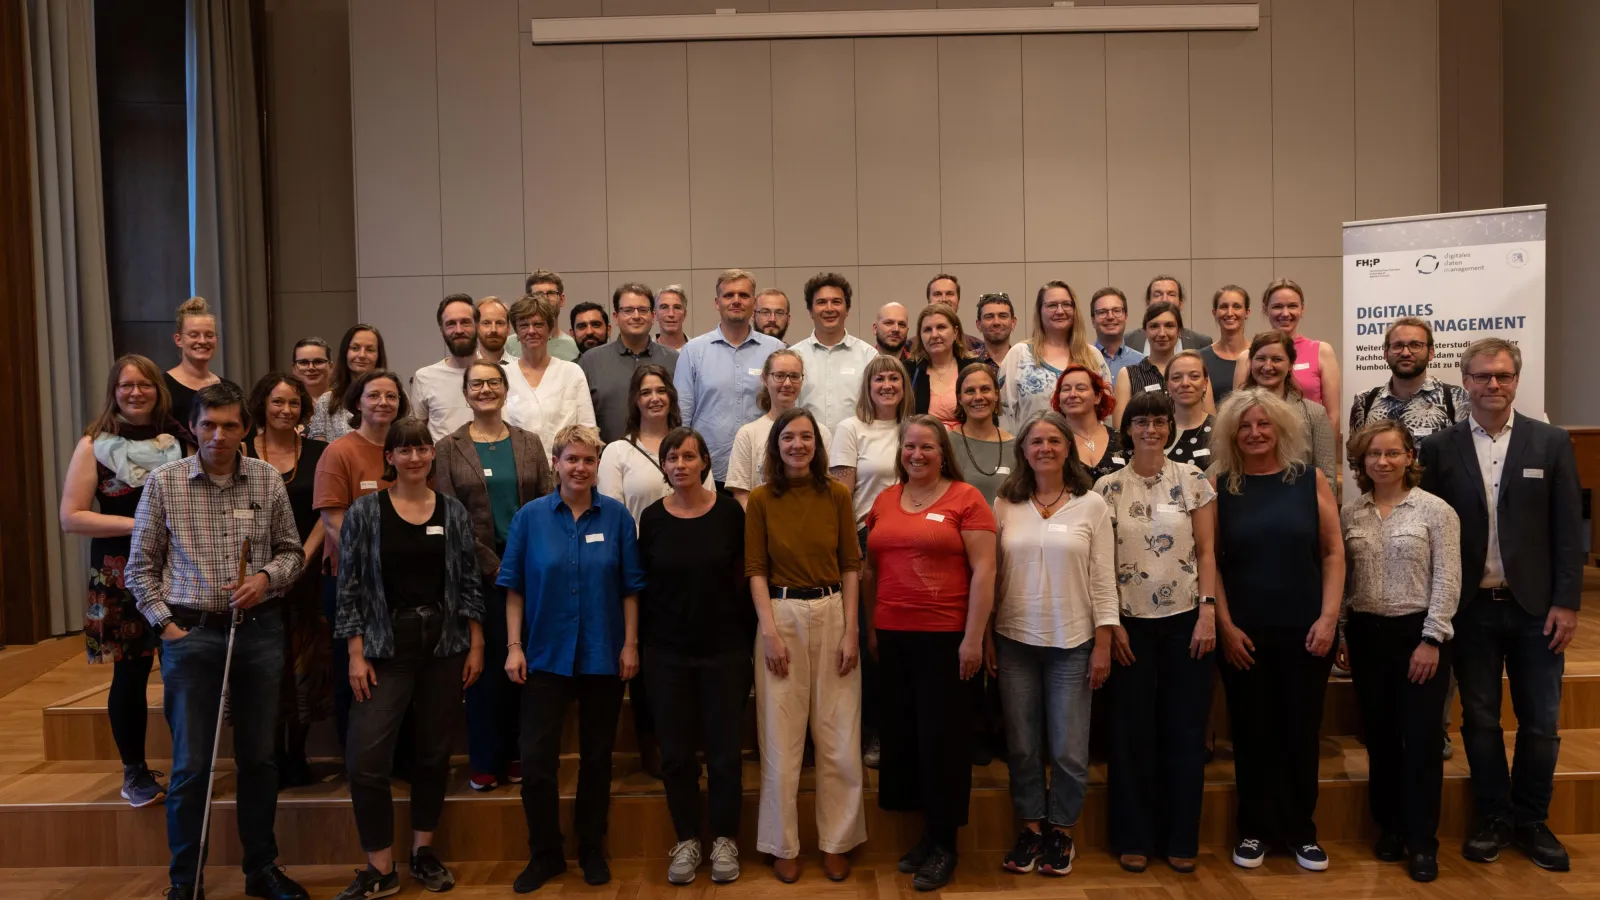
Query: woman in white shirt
x=630 y=467
x=782 y=377
x=546 y=394
x=1029 y=373
x=1055 y=608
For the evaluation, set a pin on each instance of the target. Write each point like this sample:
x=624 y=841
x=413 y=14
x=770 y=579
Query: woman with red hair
x=1084 y=398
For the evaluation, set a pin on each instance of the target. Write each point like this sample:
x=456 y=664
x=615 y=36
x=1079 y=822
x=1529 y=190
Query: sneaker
x=537 y=872
x=685 y=860
x=430 y=872
x=1449 y=748
x=140 y=787
x=1424 y=867
x=1059 y=852
x=371 y=883
x=912 y=861
x=185 y=892
x=1025 y=855
x=1486 y=840
x=937 y=870
x=514 y=771
x=1249 y=853
x=1541 y=846
x=483 y=781
x=724 y=860
x=272 y=883
x=592 y=859
x=1310 y=856
x=871 y=756
x=1390 y=848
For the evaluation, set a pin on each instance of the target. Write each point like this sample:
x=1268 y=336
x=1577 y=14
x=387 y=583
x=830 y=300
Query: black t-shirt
x=413 y=557
x=300 y=486
x=697 y=601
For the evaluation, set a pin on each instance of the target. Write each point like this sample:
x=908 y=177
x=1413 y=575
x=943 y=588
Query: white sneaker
x=685 y=860
x=1249 y=853
x=724 y=861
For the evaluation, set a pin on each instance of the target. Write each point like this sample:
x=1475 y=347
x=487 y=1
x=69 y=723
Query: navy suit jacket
x=1539 y=517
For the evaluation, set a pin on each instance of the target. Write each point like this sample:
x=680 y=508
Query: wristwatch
x=1432 y=641
x=1208 y=601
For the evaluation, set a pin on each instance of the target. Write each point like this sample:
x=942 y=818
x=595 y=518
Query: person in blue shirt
x=1109 y=310
x=572 y=576
x=719 y=372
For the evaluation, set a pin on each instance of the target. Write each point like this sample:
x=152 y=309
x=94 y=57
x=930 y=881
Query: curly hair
x=1104 y=401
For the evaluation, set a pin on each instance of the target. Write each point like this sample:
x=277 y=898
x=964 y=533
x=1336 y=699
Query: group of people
x=913 y=550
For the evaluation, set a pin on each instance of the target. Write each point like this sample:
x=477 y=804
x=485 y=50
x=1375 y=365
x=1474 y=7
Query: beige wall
x=1218 y=157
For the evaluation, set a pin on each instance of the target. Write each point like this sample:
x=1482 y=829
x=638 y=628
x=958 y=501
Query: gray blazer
x=458 y=472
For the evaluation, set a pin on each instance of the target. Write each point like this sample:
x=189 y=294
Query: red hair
x=1102 y=407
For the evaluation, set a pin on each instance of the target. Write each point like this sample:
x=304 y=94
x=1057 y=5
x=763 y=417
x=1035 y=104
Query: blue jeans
x=1492 y=635
x=1045 y=694
x=191 y=673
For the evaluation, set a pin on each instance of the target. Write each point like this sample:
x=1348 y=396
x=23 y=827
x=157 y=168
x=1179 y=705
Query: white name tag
x=250 y=514
x=755 y=372
x=1118 y=460
x=1421 y=432
x=935 y=517
x=1002 y=470
x=593 y=538
x=488 y=473
x=1055 y=527
x=1168 y=508
x=1151 y=387
x=847 y=371
x=436 y=529
x=369 y=485
x=1301 y=366
x=1526 y=473
x=1203 y=451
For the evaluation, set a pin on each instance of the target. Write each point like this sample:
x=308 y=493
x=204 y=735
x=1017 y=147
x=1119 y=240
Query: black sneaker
x=538 y=870
x=1059 y=852
x=1389 y=848
x=371 y=883
x=1486 y=840
x=936 y=869
x=185 y=892
x=272 y=884
x=140 y=787
x=916 y=856
x=430 y=872
x=1541 y=847
x=1025 y=855
x=592 y=859
x=1424 y=867
x=1249 y=853
x=1311 y=856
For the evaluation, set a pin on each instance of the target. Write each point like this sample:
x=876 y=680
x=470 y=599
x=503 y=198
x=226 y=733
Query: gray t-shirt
x=609 y=368
x=985 y=464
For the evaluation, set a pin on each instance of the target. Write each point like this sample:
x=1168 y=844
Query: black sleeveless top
x=1268 y=551
x=1142 y=376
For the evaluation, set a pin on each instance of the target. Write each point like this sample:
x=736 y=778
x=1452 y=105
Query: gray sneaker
x=872 y=754
x=140 y=787
x=685 y=860
x=724 y=861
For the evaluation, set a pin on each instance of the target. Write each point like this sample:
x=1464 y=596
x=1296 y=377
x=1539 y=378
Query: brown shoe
x=1183 y=865
x=1133 y=862
x=787 y=870
x=836 y=866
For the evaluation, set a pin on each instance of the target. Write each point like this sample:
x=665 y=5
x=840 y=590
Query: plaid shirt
x=187 y=534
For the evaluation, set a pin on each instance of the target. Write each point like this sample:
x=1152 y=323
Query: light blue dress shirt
x=1124 y=357
x=717 y=387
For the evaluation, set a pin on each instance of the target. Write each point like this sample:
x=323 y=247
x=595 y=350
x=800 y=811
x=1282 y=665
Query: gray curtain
x=227 y=224
x=71 y=300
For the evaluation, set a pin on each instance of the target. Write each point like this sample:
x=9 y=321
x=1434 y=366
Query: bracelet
x=513 y=644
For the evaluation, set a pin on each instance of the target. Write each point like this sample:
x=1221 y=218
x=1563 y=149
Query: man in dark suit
x=1514 y=482
x=1165 y=287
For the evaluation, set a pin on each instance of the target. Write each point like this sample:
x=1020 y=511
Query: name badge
x=488 y=473
x=249 y=515
x=1151 y=387
x=1526 y=473
x=1168 y=508
x=1055 y=527
x=1118 y=460
x=1421 y=432
x=593 y=538
x=436 y=529
x=755 y=372
x=1203 y=451
x=1301 y=366
x=1002 y=470
x=935 y=517
x=369 y=485
x=847 y=371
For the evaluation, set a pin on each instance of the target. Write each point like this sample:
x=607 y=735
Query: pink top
x=1308 y=367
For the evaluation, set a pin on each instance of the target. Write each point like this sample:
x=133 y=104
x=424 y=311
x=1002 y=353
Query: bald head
x=890 y=328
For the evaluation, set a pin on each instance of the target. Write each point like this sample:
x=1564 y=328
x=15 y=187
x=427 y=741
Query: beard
x=773 y=329
x=492 y=343
x=590 y=341
x=888 y=347
x=462 y=346
x=1407 y=368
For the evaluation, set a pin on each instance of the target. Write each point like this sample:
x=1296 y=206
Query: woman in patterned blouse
x=1165 y=516
x=1403 y=550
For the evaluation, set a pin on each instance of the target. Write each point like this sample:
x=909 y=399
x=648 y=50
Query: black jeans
x=925 y=729
x=1275 y=712
x=339 y=662
x=869 y=665
x=494 y=701
x=1401 y=720
x=1159 y=709
x=427 y=686
x=1491 y=636
x=544 y=705
x=700 y=699
x=128 y=707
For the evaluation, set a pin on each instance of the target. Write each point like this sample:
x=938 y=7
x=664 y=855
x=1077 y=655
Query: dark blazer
x=922 y=390
x=458 y=472
x=1539 y=518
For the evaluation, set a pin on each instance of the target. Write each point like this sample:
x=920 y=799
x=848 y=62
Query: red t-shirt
x=921 y=562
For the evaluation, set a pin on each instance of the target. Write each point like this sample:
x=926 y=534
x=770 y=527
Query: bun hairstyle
x=191 y=308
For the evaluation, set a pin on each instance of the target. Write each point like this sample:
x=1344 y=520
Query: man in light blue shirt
x=834 y=359
x=719 y=372
x=1109 y=310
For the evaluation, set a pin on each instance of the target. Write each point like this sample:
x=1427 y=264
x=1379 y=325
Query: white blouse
x=1058 y=578
x=561 y=399
x=747 y=462
x=871 y=451
x=630 y=475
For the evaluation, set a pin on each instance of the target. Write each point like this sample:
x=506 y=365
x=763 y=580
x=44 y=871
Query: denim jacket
x=362 y=607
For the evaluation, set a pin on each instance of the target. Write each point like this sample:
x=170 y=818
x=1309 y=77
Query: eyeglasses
x=1147 y=421
x=789 y=377
x=1412 y=346
x=310 y=364
x=135 y=386
x=1059 y=306
x=633 y=311
x=994 y=297
x=478 y=384
x=1501 y=378
x=1110 y=312
x=1375 y=455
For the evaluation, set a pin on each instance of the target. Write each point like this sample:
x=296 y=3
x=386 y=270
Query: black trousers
x=427 y=686
x=1275 y=712
x=545 y=697
x=700 y=699
x=494 y=702
x=1159 y=709
x=128 y=707
x=924 y=729
x=1404 y=745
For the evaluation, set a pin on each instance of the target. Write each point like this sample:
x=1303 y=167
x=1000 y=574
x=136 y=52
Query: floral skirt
x=113 y=629
x=307 y=680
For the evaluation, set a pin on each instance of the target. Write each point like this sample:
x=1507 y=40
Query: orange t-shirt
x=921 y=560
x=350 y=468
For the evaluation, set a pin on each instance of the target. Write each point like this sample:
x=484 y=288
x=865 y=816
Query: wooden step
x=69 y=814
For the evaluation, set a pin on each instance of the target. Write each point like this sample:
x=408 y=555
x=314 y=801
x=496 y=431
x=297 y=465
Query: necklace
x=999 y=452
x=1086 y=441
x=288 y=477
x=918 y=504
x=1048 y=509
x=493 y=442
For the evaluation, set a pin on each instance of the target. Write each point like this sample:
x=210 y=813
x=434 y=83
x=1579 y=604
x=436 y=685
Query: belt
x=188 y=617
x=1499 y=593
x=810 y=593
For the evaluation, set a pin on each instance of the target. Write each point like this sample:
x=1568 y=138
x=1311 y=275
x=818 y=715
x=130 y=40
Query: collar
x=1366 y=500
x=622 y=349
x=1430 y=386
x=1480 y=430
x=561 y=504
x=845 y=342
x=197 y=471
x=1112 y=354
x=754 y=337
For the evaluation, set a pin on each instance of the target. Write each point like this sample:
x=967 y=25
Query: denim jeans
x=191 y=675
x=1045 y=694
x=1491 y=636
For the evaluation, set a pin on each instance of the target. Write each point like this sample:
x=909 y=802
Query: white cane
x=216 y=738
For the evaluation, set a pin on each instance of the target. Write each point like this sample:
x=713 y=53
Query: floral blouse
x=1158 y=573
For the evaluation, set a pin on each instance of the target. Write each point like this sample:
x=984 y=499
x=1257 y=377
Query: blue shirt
x=572 y=575
x=1124 y=357
x=717 y=385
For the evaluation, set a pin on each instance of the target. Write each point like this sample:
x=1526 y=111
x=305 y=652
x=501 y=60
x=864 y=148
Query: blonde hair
x=865 y=410
x=194 y=308
x=1361 y=442
x=734 y=275
x=1227 y=463
x=577 y=434
x=763 y=396
x=1077 y=337
x=537 y=305
x=958 y=342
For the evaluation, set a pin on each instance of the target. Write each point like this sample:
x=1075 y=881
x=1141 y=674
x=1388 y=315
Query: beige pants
x=812 y=694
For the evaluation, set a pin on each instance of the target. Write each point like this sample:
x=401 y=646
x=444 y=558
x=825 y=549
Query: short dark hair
x=586 y=306
x=1000 y=297
x=676 y=438
x=406 y=432
x=1159 y=308
x=312 y=342
x=1147 y=403
x=632 y=287
x=269 y=382
x=456 y=298
x=340 y=385
x=777 y=476
x=1163 y=278
x=828 y=279
x=543 y=276
x=352 y=394
x=1107 y=292
x=926 y=291
x=218 y=396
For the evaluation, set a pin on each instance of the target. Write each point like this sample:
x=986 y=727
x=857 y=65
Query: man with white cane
x=185 y=571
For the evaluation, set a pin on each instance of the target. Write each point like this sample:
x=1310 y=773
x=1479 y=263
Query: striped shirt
x=188 y=530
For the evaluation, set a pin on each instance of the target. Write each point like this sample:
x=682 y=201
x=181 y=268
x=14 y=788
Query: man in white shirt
x=834 y=359
x=436 y=394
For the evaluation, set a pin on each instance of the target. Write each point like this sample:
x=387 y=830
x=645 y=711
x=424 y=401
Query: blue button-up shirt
x=717 y=386
x=1124 y=357
x=572 y=575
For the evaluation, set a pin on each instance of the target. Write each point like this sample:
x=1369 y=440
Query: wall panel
x=1230 y=147
x=730 y=153
x=1147 y=142
x=897 y=150
x=980 y=148
x=564 y=158
x=647 y=156
x=814 y=152
x=1064 y=145
x=1397 y=73
x=1313 y=125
